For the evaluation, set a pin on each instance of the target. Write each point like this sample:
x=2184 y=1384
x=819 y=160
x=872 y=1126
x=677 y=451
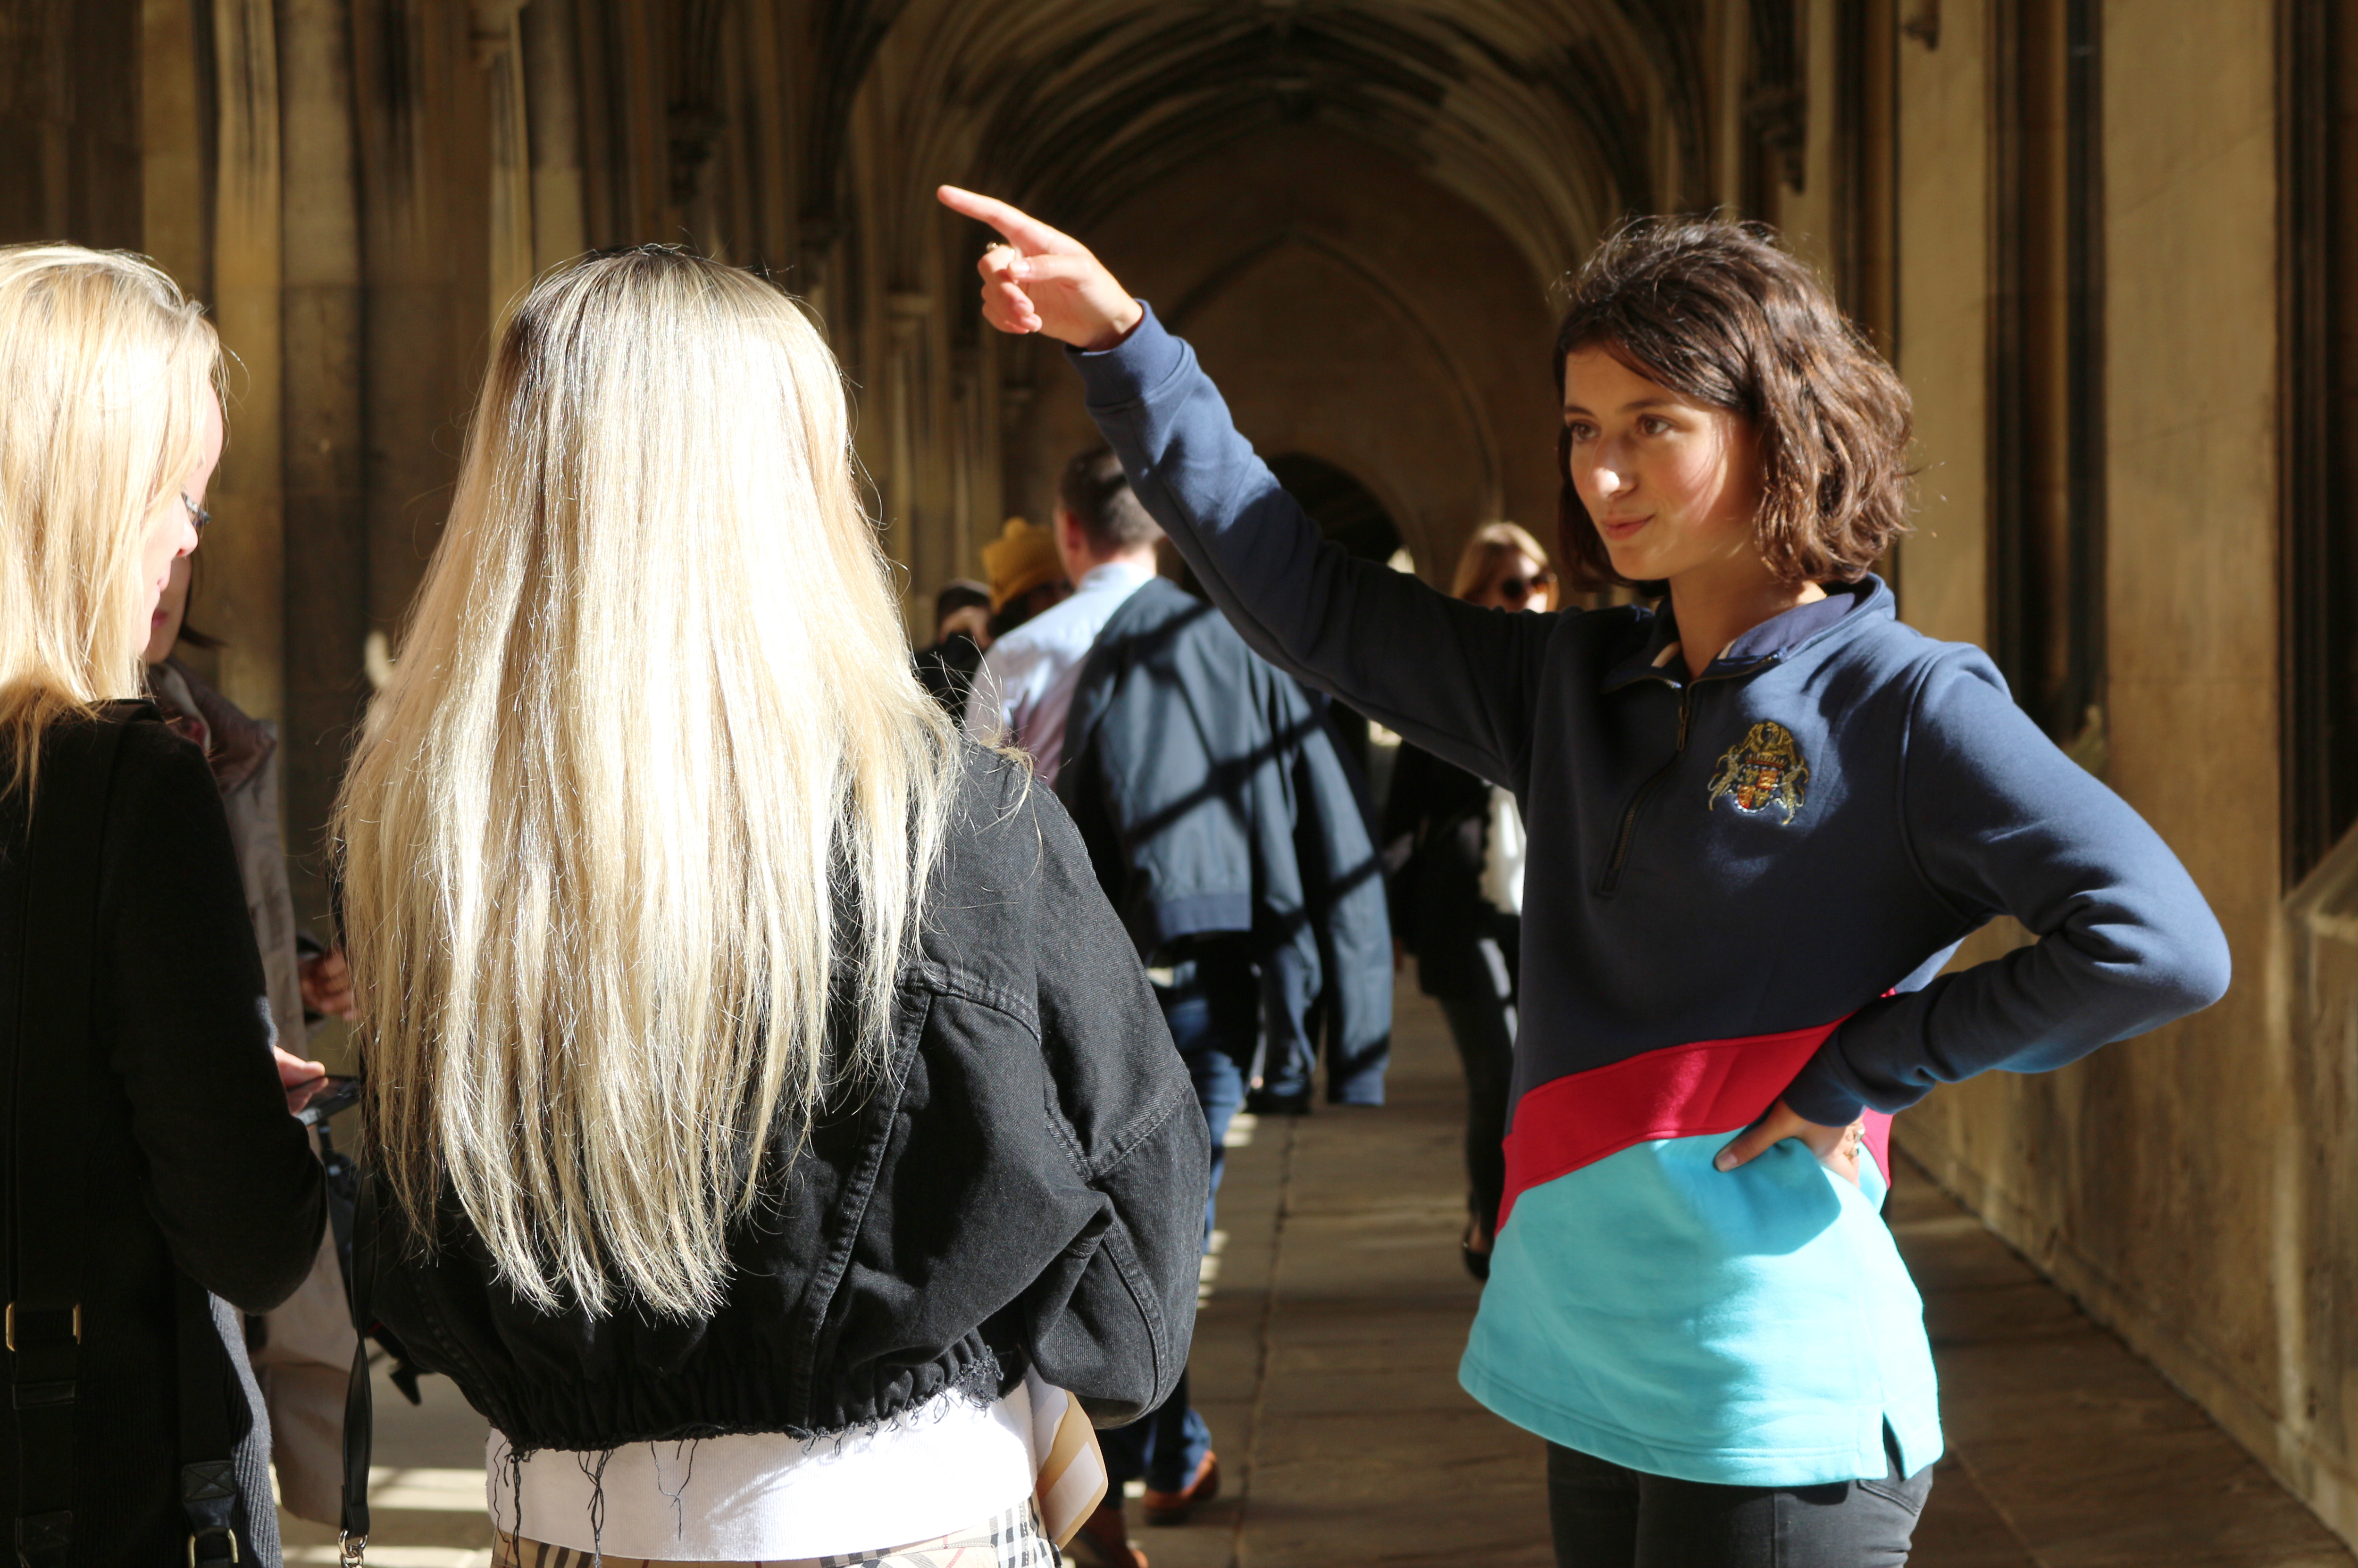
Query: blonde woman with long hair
x=760 y=1088
x=156 y=1167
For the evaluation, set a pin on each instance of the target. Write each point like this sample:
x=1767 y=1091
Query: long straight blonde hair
x=104 y=370
x=636 y=836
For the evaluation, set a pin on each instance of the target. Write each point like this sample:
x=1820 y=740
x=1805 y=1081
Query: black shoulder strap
x=208 y=1472
x=56 y=991
x=359 y=1415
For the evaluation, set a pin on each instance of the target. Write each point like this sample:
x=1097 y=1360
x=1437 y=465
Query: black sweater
x=1441 y=814
x=1026 y=1190
x=192 y=1160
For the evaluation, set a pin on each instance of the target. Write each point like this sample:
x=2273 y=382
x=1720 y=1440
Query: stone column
x=422 y=299
x=694 y=121
x=498 y=55
x=244 y=578
x=974 y=498
x=326 y=525
x=553 y=117
x=761 y=104
x=908 y=317
x=36 y=89
x=172 y=176
x=1943 y=289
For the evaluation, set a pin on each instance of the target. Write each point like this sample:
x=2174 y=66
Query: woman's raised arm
x=1458 y=679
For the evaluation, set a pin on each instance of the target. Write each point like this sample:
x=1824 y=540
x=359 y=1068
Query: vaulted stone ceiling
x=1552 y=116
x=1355 y=209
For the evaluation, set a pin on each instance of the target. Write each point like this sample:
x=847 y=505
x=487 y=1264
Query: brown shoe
x=1103 y=1540
x=1174 y=1507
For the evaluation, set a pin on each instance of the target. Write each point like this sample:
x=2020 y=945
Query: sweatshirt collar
x=1774 y=640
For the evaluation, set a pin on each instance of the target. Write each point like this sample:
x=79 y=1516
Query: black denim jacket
x=1026 y=1190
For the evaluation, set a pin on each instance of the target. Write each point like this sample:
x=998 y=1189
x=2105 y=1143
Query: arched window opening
x=1345 y=511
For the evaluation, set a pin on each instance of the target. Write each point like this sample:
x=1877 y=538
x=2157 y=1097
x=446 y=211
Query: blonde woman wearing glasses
x=767 y=1103
x=154 y=1160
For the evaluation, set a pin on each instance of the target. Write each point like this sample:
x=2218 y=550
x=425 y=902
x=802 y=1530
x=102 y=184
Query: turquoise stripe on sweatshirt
x=1752 y=1327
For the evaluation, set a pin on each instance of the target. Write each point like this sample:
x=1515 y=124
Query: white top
x=756 y=1498
x=1505 y=848
x=1024 y=690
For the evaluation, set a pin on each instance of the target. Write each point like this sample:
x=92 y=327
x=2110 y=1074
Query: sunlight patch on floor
x=429 y=1491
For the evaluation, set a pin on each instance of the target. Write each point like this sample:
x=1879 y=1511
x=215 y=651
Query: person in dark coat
x=198 y=1198
x=1218 y=811
x=1220 y=820
x=946 y=667
x=301 y=1354
x=1455 y=842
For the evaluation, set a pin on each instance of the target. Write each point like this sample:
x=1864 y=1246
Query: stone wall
x=2190 y=1187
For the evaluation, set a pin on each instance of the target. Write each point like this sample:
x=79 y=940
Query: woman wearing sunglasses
x=1763 y=814
x=1454 y=844
x=1502 y=566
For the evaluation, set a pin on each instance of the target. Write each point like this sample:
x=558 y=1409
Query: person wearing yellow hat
x=1026 y=572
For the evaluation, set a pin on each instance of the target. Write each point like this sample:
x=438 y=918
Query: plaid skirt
x=1011 y=1540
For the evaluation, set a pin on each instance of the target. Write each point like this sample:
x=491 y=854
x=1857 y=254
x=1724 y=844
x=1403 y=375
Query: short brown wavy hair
x=1720 y=312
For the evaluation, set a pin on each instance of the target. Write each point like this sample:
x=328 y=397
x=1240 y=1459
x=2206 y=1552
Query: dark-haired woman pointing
x=1762 y=816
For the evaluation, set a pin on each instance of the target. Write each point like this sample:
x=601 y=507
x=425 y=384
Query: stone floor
x=1325 y=1357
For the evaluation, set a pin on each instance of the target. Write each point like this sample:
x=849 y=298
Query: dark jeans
x=1484 y=1030
x=1213 y=1007
x=1608 y=1516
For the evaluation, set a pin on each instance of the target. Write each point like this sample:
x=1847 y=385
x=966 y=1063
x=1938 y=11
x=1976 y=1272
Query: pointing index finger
x=1021 y=230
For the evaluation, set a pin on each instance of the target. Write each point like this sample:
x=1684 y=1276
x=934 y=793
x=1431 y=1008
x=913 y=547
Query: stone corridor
x=2109 y=245
x=1325 y=1357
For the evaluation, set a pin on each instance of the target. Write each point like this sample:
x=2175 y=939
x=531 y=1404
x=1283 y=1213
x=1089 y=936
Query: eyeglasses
x=197 y=515
x=1524 y=587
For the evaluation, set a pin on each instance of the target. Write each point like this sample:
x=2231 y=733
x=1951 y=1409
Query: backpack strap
x=57 y=983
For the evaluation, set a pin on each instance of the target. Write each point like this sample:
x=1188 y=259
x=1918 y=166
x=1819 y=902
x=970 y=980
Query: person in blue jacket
x=1217 y=811
x=1762 y=814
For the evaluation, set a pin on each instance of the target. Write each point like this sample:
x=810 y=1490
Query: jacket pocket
x=1096 y=1329
x=1110 y=1320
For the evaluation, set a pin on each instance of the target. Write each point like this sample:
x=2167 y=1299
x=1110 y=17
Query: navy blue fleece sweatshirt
x=1816 y=820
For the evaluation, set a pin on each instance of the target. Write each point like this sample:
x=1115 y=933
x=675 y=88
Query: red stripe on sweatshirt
x=1679 y=1091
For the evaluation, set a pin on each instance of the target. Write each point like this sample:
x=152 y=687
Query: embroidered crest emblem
x=1763 y=769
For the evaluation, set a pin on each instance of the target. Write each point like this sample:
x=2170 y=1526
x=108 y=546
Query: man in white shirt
x=1024 y=688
